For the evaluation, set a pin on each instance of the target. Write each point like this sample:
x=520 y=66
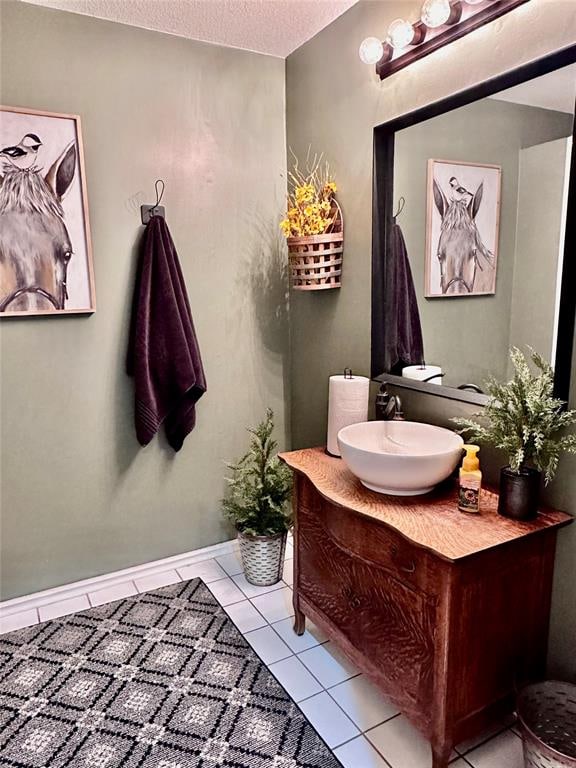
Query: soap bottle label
x=469 y=496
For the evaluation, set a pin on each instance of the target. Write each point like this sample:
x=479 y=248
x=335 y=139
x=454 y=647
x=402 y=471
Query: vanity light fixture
x=437 y=13
x=371 y=50
x=400 y=34
x=441 y=21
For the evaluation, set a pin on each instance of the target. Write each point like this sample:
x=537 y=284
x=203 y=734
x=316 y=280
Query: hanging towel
x=163 y=353
x=403 y=332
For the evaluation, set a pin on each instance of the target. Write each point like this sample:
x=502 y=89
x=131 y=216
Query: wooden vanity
x=445 y=612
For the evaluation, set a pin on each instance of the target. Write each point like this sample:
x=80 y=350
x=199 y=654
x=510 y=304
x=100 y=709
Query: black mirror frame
x=382 y=213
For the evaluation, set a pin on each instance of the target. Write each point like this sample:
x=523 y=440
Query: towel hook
x=148 y=212
x=161 y=195
x=401 y=204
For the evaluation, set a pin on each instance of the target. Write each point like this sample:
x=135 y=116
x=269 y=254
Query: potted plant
x=313 y=227
x=257 y=504
x=524 y=419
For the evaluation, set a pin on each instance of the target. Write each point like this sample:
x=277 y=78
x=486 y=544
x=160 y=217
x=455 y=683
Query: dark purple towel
x=403 y=340
x=163 y=353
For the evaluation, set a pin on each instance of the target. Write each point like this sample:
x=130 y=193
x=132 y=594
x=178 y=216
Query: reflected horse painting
x=467 y=266
x=35 y=246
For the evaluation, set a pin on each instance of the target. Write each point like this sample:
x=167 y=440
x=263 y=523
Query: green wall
x=333 y=103
x=541 y=202
x=79 y=496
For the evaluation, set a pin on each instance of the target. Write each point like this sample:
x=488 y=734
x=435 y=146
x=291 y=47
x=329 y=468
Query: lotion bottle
x=470 y=481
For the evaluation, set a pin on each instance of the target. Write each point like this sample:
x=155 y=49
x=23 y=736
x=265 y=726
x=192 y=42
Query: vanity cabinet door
x=386 y=624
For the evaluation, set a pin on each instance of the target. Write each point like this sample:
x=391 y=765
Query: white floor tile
x=504 y=751
x=207 y=570
x=328 y=664
x=18 y=620
x=268 y=645
x=226 y=592
x=363 y=702
x=156 y=580
x=359 y=753
x=251 y=590
x=312 y=636
x=470 y=744
x=231 y=563
x=288 y=573
x=295 y=678
x=114 y=592
x=63 y=607
x=276 y=605
x=402 y=745
x=329 y=720
x=245 y=616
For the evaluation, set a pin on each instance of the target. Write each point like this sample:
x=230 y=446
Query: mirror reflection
x=480 y=194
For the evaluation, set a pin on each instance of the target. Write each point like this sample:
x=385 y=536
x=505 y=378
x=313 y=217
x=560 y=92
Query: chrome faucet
x=388 y=407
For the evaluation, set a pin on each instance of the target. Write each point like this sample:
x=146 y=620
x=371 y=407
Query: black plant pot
x=519 y=493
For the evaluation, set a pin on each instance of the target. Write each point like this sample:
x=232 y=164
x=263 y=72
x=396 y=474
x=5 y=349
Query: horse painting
x=467 y=266
x=35 y=247
x=45 y=258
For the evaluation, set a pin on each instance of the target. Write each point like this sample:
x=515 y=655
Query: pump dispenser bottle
x=470 y=481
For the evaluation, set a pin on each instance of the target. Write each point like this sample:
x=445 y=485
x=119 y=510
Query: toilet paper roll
x=347 y=404
x=423 y=372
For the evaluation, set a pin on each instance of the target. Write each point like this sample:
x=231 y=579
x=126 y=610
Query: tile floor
x=356 y=721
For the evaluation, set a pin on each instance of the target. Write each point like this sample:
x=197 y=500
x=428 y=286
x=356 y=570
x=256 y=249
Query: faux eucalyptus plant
x=260 y=486
x=524 y=418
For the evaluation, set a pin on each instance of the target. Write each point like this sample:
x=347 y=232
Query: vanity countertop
x=432 y=521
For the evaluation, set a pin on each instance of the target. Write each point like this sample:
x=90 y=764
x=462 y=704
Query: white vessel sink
x=402 y=458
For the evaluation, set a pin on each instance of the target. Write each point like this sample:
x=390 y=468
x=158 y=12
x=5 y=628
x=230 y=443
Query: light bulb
x=435 y=13
x=371 y=50
x=400 y=33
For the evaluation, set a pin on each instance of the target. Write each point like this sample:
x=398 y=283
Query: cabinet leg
x=299 y=621
x=441 y=756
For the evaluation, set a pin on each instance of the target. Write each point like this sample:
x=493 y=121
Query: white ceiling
x=275 y=27
x=556 y=90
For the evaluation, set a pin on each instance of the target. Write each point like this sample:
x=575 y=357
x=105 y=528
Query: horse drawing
x=35 y=247
x=466 y=265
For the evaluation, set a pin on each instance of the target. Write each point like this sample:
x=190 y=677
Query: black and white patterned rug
x=159 y=680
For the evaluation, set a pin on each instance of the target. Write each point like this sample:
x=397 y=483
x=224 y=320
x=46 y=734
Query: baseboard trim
x=47 y=596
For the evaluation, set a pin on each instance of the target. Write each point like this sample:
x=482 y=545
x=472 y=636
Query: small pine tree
x=260 y=486
x=524 y=418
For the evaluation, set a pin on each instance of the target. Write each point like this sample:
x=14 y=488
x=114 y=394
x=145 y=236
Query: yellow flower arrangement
x=310 y=209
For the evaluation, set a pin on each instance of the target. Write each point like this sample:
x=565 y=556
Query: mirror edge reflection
x=439 y=390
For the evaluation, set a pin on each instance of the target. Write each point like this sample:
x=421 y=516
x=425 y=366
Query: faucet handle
x=398 y=413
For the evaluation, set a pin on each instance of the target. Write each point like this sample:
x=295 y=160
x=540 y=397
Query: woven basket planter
x=262 y=558
x=547 y=715
x=316 y=260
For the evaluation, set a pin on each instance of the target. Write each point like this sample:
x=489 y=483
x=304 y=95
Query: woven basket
x=547 y=715
x=316 y=260
x=262 y=558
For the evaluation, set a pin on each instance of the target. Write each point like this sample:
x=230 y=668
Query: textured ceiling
x=275 y=27
x=556 y=90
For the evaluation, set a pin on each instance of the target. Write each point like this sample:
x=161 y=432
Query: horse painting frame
x=46 y=260
x=462 y=228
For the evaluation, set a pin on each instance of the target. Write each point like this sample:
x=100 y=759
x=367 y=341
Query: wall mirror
x=474 y=226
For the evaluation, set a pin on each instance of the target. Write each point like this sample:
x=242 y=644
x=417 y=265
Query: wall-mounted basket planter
x=316 y=260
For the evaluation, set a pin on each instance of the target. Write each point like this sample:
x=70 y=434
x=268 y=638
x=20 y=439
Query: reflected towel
x=163 y=353
x=403 y=332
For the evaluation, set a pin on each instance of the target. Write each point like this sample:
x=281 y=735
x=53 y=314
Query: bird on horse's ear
x=24 y=154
